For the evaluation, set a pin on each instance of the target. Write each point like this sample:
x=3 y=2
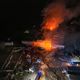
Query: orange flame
x=45 y=44
x=53 y=16
x=52 y=24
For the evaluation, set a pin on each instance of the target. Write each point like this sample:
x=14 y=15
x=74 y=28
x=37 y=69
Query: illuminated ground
x=54 y=71
x=31 y=76
x=51 y=74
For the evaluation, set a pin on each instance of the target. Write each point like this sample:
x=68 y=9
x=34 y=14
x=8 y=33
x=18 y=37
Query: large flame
x=45 y=44
x=53 y=16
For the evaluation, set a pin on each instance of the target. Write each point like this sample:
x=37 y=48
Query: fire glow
x=45 y=44
x=52 y=24
x=53 y=15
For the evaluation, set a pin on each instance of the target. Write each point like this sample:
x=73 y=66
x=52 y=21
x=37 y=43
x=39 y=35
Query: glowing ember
x=45 y=44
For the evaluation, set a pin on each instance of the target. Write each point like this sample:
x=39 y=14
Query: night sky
x=18 y=16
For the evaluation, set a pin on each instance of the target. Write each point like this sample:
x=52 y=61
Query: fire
x=52 y=24
x=45 y=44
x=53 y=15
